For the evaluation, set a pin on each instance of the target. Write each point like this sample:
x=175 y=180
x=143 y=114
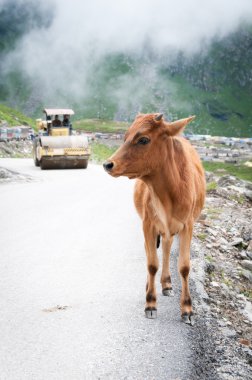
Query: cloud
x=60 y=57
x=120 y=26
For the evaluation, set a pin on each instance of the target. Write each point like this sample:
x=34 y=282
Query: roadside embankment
x=223 y=237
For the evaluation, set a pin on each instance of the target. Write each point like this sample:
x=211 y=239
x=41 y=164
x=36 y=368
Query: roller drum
x=63 y=163
x=64 y=142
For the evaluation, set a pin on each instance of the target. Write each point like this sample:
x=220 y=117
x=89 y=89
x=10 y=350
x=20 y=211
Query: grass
x=239 y=198
x=209 y=258
x=211 y=186
x=202 y=236
x=101 y=152
x=14 y=117
x=247 y=293
x=213 y=213
x=98 y=125
x=225 y=280
x=238 y=170
x=21 y=155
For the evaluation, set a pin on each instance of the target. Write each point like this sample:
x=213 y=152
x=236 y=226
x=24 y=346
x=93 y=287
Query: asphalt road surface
x=72 y=280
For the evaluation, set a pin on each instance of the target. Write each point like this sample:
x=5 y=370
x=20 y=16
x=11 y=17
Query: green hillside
x=214 y=84
x=98 y=125
x=14 y=117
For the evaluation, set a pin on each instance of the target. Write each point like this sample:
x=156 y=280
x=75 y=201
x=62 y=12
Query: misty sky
x=83 y=31
x=121 y=25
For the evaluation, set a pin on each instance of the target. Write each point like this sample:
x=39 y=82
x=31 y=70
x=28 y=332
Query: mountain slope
x=214 y=84
x=13 y=117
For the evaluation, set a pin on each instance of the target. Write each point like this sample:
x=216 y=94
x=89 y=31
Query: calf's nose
x=108 y=165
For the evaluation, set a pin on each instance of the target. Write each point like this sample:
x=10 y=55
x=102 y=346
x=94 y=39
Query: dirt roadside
x=223 y=302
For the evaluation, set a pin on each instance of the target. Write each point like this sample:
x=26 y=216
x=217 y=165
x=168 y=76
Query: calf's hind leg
x=184 y=269
x=152 y=268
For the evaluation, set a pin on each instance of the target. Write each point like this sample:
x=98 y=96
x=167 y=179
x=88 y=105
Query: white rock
x=249 y=254
x=248 y=194
x=247 y=264
x=212 y=232
x=225 y=287
x=247 y=274
x=241 y=297
x=236 y=241
x=223 y=248
x=249 y=248
x=242 y=255
x=215 y=284
x=223 y=241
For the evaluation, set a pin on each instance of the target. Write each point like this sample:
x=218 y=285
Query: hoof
x=188 y=318
x=168 y=292
x=151 y=313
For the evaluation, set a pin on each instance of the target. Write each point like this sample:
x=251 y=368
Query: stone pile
x=16 y=149
x=7 y=176
x=223 y=236
x=224 y=233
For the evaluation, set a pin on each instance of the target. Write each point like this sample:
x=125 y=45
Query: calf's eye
x=143 y=141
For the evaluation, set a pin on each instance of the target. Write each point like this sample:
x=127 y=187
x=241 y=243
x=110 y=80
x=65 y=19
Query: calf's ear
x=139 y=115
x=177 y=127
x=158 y=116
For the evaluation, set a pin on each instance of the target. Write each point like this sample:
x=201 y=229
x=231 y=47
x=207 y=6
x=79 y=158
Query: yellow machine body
x=59 y=131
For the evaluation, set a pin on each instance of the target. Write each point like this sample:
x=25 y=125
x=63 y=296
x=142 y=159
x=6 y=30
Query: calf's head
x=144 y=145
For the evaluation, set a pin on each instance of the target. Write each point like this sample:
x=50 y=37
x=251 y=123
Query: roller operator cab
x=55 y=146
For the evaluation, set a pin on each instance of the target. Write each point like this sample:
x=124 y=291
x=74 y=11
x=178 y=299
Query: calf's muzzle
x=108 y=165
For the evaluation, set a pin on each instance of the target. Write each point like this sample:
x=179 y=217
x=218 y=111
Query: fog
x=62 y=56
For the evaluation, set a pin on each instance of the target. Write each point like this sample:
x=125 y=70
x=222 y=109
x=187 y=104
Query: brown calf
x=169 y=196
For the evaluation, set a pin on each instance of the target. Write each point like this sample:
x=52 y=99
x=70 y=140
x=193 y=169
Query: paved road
x=72 y=238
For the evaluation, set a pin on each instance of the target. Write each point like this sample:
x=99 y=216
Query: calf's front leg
x=152 y=268
x=166 y=274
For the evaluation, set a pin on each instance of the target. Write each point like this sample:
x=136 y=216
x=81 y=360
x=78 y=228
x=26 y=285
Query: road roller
x=57 y=146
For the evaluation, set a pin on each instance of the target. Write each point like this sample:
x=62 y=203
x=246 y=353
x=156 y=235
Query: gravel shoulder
x=223 y=238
